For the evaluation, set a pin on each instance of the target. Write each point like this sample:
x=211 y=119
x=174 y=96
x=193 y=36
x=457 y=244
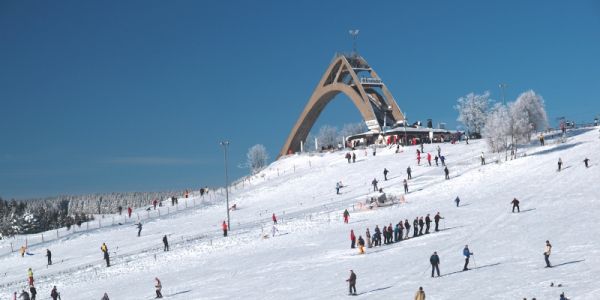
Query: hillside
x=310 y=256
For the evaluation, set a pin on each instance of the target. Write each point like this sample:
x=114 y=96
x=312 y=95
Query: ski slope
x=310 y=256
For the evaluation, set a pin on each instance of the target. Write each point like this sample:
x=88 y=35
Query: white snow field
x=310 y=256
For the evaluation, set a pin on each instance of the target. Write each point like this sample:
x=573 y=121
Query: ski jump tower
x=352 y=75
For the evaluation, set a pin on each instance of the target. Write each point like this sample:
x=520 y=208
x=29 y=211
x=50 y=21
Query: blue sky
x=99 y=96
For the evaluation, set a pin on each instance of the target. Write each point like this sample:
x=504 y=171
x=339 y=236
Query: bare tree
x=257 y=157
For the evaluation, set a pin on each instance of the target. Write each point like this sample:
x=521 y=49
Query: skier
x=435 y=262
x=120 y=209
x=547 y=251
x=154 y=203
x=33 y=292
x=274 y=230
x=559 y=164
x=447 y=172
x=129 y=210
x=482 y=159
x=416 y=227
x=439 y=151
x=408 y=171
x=166 y=243
x=49 y=255
x=418 y=158
x=224 y=226
x=541 y=139
x=427 y=224
x=563 y=297
x=420 y=295
x=158 y=287
x=585 y=161
x=104 y=249
x=457 y=200
x=361 y=245
x=274 y=218
x=437 y=218
x=346 y=216
x=421 y=224
x=443 y=160
x=374 y=183
x=515 y=204
x=24 y=295
x=105 y=297
x=407 y=227
x=467 y=253
x=352 y=283
x=337 y=187
x=139 y=227
x=405 y=186
x=348 y=157
x=436 y=160
x=385 y=172
x=54 y=293
x=353 y=157
x=30 y=276
x=368 y=236
x=429 y=158
x=352 y=239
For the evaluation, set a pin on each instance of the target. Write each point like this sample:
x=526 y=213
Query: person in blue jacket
x=467 y=253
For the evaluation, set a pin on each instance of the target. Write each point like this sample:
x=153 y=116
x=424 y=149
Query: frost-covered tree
x=529 y=115
x=353 y=128
x=472 y=111
x=256 y=158
x=497 y=127
x=328 y=136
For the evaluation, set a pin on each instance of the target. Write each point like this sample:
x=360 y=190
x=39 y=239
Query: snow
x=310 y=256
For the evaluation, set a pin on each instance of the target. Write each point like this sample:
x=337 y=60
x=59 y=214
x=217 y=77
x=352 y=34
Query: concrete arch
x=341 y=77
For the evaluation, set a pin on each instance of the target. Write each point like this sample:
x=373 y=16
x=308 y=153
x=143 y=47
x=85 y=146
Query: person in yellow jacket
x=30 y=276
x=420 y=295
x=361 y=245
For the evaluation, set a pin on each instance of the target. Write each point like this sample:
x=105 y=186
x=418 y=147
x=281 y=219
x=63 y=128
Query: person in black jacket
x=421 y=224
x=447 y=173
x=437 y=221
x=408 y=172
x=49 y=255
x=33 y=292
x=435 y=262
x=416 y=227
x=427 y=224
x=352 y=283
x=166 y=242
x=407 y=226
x=515 y=204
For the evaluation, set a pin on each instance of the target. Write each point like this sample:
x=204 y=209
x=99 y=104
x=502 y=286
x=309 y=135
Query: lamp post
x=502 y=87
x=225 y=144
x=405 y=138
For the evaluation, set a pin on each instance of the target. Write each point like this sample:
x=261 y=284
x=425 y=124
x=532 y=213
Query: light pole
x=354 y=34
x=405 y=138
x=502 y=87
x=225 y=144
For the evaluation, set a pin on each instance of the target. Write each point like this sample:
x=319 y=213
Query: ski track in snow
x=310 y=257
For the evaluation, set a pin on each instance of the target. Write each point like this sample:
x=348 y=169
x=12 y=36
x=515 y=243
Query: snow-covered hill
x=310 y=256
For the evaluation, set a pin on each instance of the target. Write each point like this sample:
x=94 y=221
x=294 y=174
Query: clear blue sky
x=99 y=96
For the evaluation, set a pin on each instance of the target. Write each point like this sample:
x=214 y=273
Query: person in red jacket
x=129 y=210
x=154 y=202
x=224 y=228
x=429 y=158
x=274 y=219
x=352 y=239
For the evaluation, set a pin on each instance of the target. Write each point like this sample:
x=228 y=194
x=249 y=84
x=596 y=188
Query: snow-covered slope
x=310 y=256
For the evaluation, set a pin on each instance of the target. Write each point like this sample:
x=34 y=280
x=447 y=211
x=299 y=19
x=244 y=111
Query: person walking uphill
x=385 y=172
x=467 y=253
x=224 y=225
x=547 y=251
x=158 y=287
x=437 y=219
x=104 y=249
x=515 y=204
x=352 y=283
x=435 y=262
x=346 y=216
x=420 y=295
